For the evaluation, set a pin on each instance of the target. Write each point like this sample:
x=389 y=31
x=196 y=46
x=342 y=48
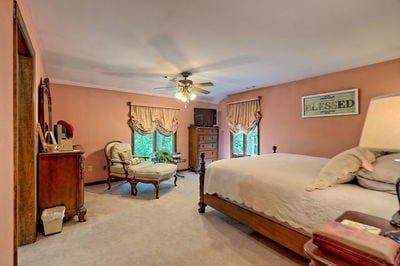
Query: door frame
x=20 y=33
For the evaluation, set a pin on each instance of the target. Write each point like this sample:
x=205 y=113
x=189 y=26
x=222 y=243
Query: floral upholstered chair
x=122 y=166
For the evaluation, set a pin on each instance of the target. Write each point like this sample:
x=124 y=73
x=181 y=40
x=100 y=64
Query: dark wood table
x=319 y=257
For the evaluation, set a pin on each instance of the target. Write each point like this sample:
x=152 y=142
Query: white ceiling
x=130 y=45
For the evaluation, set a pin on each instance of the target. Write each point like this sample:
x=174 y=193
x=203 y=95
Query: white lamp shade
x=382 y=125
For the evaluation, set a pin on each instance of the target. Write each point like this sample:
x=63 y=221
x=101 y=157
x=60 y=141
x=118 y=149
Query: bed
x=273 y=199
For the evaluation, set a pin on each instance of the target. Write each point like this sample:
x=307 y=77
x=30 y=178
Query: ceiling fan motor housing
x=186 y=82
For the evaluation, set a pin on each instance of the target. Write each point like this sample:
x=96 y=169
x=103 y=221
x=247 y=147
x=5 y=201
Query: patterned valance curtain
x=145 y=119
x=244 y=116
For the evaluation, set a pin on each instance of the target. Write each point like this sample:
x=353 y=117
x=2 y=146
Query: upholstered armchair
x=121 y=165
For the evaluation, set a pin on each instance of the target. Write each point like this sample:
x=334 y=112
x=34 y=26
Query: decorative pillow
x=365 y=156
x=343 y=167
x=124 y=156
x=135 y=161
x=386 y=170
x=120 y=147
x=376 y=185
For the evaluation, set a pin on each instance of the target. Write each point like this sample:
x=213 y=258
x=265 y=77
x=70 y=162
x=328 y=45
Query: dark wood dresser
x=60 y=182
x=202 y=139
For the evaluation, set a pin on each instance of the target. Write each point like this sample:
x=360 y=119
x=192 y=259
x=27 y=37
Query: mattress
x=274 y=184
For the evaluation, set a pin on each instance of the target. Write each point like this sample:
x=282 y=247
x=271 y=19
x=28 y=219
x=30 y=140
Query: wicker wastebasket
x=52 y=219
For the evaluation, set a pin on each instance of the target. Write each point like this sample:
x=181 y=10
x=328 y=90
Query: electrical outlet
x=90 y=168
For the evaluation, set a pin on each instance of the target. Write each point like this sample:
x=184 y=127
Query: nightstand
x=319 y=257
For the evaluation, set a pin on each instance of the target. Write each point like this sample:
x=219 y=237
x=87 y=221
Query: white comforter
x=275 y=184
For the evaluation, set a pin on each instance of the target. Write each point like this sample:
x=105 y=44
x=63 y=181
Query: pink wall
x=6 y=141
x=6 y=118
x=282 y=124
x=99 y=116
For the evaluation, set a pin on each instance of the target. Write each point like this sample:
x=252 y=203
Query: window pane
x=252 y=142
x=143 y=144
x=237 y=148
x=165 y=142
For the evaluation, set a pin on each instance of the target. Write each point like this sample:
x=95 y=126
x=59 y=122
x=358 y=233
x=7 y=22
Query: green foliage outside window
x=165 y=142
x=145 y=145
x=245 y=144
x=238 y=148
x=252 y=143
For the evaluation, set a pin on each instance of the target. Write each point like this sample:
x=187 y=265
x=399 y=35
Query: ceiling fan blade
x=171 y=78
x=200 y=90
x=165 y=87
x=204 y=84
x=174 y=79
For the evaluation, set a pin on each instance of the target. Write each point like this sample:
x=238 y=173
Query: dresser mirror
x=45 y=111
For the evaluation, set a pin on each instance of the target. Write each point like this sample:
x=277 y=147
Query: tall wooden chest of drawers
x=202 y=139
x=60 y=182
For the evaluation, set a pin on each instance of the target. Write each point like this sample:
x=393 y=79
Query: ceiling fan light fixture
x=185 y=95
x=179 y=95
x=185 y=98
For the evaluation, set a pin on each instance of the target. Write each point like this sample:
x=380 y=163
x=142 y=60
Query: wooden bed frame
x=282 y=234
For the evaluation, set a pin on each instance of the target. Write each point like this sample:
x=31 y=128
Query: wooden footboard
x=277 y=232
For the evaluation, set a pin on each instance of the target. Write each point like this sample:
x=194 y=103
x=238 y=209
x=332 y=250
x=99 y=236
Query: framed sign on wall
x=343 y=102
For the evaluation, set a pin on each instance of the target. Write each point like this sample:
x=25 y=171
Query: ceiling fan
x=186 y=87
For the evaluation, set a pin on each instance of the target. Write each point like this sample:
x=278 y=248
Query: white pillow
x=342 y=168
x=386 y=169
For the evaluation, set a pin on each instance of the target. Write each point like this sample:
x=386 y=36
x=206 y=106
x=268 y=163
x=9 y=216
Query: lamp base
x=395 y=219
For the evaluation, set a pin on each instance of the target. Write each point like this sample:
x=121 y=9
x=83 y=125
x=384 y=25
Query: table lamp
x=381 y=132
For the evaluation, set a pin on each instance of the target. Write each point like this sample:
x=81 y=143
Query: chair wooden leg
x=157 y=186
x=109 y=183
x=133 y=187
x=176 y=177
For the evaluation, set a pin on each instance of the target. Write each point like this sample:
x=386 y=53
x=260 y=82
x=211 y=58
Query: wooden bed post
x=202 y=205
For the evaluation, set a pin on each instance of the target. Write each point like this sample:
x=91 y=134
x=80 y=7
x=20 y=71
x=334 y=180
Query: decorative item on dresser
x=60 y=182
x=202 y=140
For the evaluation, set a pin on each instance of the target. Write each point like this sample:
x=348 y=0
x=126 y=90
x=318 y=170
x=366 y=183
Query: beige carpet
x=125 y=230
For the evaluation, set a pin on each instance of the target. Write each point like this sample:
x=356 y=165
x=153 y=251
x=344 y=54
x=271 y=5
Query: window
x=245 y=144
x=144 y=145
